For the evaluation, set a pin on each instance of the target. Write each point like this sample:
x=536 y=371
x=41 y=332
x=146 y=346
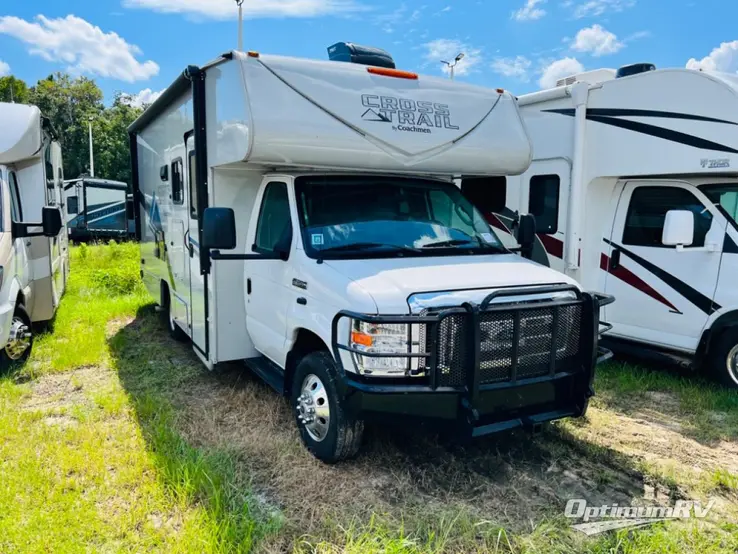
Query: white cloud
x=4 y=69
x=143 y=98
x=595 y=8
x=559 y=70
x=723 y=58
x=516 y=67
x=226 y=9
x=448 y=49
x=530 y=11
x=597 y=40
x=85 y=47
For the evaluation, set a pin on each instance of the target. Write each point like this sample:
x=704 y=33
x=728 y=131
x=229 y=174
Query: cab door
x=20 y=263
x=268 y=282
x=664 y=295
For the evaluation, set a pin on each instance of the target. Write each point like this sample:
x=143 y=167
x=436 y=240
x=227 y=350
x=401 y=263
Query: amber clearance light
x=385 y=72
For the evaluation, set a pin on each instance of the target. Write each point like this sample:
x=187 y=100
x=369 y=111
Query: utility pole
x=452 y=66
x=92 y=154
x=240 y=24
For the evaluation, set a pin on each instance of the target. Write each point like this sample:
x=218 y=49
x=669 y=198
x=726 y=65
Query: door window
x=274 y=230
x=488 y=194
x=177 y=182
x=16 y=210
x=194 y=210
x=644 y=224
x=72 y=205
x=544 y=202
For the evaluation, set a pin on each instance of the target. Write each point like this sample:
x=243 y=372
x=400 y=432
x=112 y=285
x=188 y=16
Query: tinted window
x=274 y=227
x=72 y=205
x=16 y=210
x=194 y=210
x=177 y=182
x=644 y=225
x=725 y=196
x=488 y=194
x=544 y=202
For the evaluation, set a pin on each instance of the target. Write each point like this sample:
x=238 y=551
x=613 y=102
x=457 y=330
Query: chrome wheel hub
x=19 y=339
x=313 y=410
x=732 y=363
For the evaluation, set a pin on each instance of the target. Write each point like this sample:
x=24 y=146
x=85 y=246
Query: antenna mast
x=240 y=24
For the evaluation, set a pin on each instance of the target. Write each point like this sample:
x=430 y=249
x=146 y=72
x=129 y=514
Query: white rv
x=96 y=208
x=634 y=186
x=33 y=243
x=301 y=215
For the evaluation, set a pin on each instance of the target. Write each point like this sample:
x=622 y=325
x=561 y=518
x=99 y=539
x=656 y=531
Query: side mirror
x=526 y=234
x=51 y=221
x=218 y=229
x=678 y=228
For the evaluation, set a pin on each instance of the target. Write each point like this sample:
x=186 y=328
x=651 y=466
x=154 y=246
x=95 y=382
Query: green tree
x=13 y=89
x=112 y=149
x=69 y=104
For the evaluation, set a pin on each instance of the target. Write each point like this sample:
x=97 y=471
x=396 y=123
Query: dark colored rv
x=96 y=208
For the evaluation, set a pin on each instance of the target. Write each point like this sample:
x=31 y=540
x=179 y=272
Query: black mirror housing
x=51 y=221
x=526 y=234
x=218 y=229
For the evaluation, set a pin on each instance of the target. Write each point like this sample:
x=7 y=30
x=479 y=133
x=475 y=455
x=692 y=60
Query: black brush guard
x=486 y=367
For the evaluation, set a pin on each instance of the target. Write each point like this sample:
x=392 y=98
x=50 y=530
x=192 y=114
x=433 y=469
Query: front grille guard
x=587 y=356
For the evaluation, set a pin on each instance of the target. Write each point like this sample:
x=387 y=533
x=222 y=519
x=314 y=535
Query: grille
x=497 y=348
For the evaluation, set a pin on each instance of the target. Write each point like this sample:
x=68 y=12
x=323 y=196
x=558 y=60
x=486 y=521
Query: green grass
x=104 y=448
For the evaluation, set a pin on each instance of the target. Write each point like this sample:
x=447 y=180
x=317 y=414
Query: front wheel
x=326 y=429
x=724 y=359
x=20 y=339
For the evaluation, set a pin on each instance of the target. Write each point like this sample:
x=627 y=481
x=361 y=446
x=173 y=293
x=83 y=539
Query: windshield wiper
x=445 y=243
x=358 y=246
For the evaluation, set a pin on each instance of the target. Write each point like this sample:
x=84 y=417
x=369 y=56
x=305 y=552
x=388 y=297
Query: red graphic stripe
x=553 y=246
x=634 y=281
x=495 y=221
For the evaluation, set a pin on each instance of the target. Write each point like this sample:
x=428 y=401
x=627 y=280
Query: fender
x=729 y=318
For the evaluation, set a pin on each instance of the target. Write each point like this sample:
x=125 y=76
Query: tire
x=175 y=331
x=724 y=358
x=314 y=385
x=18 y=348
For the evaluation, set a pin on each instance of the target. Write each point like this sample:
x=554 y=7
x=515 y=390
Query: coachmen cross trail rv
x=33 y=243
x=634 y=186
x=301 y=215
x=96 y=208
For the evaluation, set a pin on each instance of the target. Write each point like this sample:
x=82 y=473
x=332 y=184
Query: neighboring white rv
x=634 y=186
x=301 y=216
x=96 y=208
x=33 y=243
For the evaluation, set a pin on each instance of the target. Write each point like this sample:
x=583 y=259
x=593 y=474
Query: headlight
x=378 y=338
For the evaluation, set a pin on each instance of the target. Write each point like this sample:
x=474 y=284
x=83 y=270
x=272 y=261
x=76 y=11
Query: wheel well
x=306 y=343
x=20 y=299
x=164 y=294
x=723 y=323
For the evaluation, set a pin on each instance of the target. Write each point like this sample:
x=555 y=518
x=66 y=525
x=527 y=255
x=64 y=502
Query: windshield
x=724 y=195
x=381 y=217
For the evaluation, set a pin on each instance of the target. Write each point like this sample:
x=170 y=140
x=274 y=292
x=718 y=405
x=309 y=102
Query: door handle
x=28 y=243
x=248 y=286
x=615 y=258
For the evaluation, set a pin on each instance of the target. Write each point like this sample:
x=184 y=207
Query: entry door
x=663 y=296
x=176 y=245
x=198 y=311
x=268 y=282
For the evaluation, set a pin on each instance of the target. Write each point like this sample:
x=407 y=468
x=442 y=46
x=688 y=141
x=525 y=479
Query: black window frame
x=177 y=200
x=15 y=197
x=532 y=183
x=192 y=182
x=660 y=188
x=256 y=248
x=486 y=204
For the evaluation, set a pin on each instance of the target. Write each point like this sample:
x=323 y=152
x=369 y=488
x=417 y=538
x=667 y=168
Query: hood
x=391 y=282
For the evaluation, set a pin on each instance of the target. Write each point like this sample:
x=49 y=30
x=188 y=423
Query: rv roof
x=21 y=132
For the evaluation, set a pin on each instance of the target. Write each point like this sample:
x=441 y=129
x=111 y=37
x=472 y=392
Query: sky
x=138 y=47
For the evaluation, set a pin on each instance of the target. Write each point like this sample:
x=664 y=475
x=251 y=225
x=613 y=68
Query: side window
x=177 y=182
x=544 y=202
x=488 y=194
x=72 y=205
x=274 y=228
x=16 y=210
x=194 y=208
x=644 y=224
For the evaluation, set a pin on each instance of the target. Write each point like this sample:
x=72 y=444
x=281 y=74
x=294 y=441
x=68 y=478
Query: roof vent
x=634 y=69
x=364 y=55
x=592 y=77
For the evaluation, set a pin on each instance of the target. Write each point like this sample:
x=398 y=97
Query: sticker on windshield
x=317 y=239
x=488 y=237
